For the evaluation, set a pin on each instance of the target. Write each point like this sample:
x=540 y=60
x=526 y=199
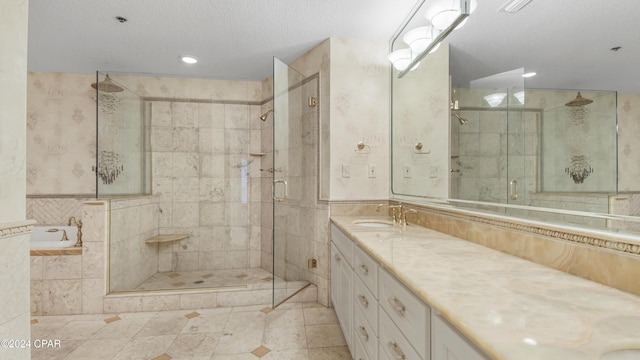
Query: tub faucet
x=64 y=233
x=78 y=223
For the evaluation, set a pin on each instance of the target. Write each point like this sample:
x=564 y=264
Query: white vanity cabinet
x=342 y=283
x=383 y=319
x=449 y=344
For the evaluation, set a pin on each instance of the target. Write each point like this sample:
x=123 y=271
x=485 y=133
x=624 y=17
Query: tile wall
x=206 y=182
x=14 y=229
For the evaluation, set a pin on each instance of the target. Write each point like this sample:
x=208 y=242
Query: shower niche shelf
x=166 y=238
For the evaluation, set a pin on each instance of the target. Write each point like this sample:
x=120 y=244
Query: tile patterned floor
x=300 y=331
x=252 y=279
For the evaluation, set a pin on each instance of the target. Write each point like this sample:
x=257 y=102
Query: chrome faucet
x=78 y=223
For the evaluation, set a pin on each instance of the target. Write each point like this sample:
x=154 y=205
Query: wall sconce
x=443 y=13
x=495 y=99
x=519 y=96
x=420 y=38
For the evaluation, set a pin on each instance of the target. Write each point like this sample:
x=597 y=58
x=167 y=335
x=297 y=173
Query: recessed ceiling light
x=188 y=59
x=528 y=75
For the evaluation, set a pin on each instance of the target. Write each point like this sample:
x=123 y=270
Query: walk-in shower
x=210 y=221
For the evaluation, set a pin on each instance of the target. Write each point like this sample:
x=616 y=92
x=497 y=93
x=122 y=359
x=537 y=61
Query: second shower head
x=263 y=117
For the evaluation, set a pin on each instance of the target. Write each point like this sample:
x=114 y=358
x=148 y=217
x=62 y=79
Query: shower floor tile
x=252 y=279
x=292 y=331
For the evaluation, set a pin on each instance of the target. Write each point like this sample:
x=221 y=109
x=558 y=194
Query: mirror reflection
x=531 y=116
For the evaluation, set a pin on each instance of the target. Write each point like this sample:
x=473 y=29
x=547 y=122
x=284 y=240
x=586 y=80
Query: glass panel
x=123 y=157
x=294 y=191
x=488 y=140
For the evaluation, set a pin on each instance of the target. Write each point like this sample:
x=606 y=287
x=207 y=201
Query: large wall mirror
x=474 y=127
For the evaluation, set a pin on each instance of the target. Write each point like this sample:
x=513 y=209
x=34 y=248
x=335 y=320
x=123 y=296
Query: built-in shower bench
x=166 y=238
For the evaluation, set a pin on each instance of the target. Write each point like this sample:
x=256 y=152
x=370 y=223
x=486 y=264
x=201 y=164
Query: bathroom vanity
x=415 y=293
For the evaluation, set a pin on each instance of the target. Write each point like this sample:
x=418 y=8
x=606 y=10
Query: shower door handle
x=284 y=197
x=513 y=189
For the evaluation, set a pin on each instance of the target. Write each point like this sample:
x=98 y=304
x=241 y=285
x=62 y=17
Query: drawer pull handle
x=363 y=301
x=398 y=306
x=363 y=332
x=397 y=351
x=338 y=258
x=364 y=269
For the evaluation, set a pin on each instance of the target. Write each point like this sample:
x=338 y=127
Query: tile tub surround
x=498 y=300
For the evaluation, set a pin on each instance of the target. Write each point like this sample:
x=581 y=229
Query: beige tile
x=253 y=320
x=324 y=336
x=285 y=338
x=295 y=354
x=120 y=329
x=244 y=356
x=330 y=353
x=80 y=330
x=145 y=347
x=98 y=349
x=61 y=297
x=206 y=323
x=261 y=351
x=283 y=318
x=320 y=316
x=239 y=341
x=192 y=345
x=164 y=325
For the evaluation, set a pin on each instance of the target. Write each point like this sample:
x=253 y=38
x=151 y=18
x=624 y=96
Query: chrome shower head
x=460 y=119
x=263 y=117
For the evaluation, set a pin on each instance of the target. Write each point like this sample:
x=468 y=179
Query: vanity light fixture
x=529 y=74
x=513 y=6
x=495 y=99
x=442 y=13
x=519 y=96
x=401 y=59
x=420 y=38
x=188 y=59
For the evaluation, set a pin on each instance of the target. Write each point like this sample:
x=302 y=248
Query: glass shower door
x=293 y=223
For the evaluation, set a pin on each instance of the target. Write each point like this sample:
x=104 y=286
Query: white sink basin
x=625 y=354
x=374 y=223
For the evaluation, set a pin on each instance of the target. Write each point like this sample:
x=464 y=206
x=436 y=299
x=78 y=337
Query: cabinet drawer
x=366 y=303
x=343 y=243
x=411 y=315
x=393 y=344
x=365 y=334
x=358 y=351
x=367 y=269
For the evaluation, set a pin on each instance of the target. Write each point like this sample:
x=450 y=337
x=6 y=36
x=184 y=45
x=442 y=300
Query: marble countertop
x=510 y=307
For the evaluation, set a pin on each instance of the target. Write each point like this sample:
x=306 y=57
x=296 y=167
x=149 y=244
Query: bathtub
x=43 y=239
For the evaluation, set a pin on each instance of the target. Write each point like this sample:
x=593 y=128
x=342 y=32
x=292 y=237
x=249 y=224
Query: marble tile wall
x=54 y=211
x=204 y=177
x=131 y=260
x=14 y=230
x=73 y=284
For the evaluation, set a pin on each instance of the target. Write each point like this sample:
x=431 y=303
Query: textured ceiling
x=568 y=43
x=234 y=39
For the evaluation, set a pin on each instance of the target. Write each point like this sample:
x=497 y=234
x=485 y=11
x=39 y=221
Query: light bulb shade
x=400 y=59
x=420 y=38
x=442 y=13
x=520 y=96
x=495 y=99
